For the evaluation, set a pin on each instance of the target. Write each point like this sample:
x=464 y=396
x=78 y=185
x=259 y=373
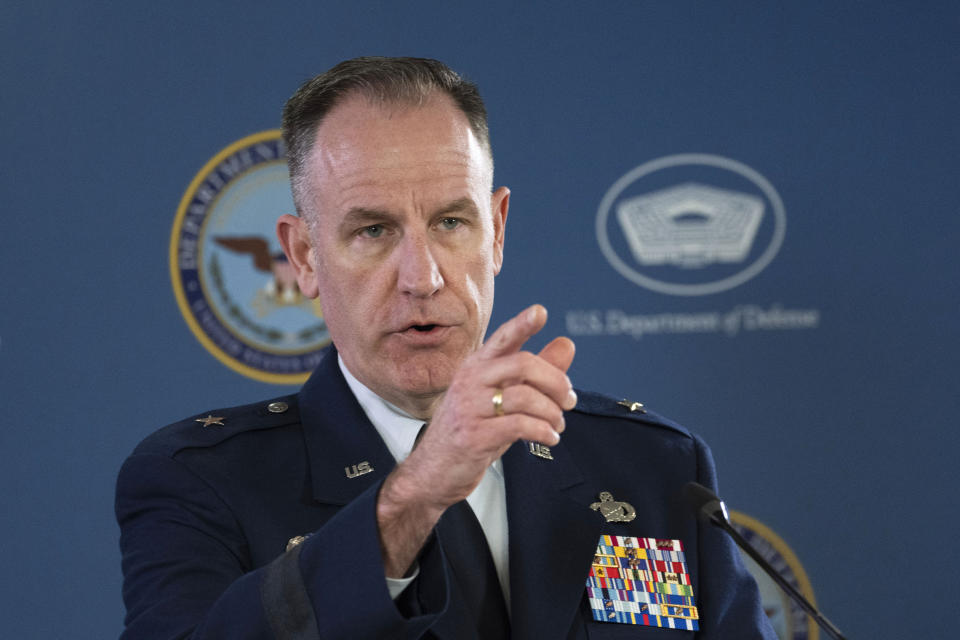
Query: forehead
x=362 y=144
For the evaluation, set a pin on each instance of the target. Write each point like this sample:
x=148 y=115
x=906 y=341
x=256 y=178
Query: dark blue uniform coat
x=206 y=512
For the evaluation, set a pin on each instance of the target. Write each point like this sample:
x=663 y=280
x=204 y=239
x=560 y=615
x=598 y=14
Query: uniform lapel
x=553 y=535
x=339 y=437
x=553 y=532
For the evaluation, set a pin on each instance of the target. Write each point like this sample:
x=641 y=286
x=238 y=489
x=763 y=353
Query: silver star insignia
x=632 y=406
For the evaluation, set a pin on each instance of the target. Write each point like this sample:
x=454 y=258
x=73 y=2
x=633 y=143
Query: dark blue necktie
x=474 y=573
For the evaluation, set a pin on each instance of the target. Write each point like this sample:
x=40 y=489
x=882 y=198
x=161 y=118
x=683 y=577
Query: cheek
x=352 y=298
x=474 y=291
x=478 y=285
x=334 y=286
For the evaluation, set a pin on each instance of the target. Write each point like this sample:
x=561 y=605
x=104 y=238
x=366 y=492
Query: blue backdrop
x=830 y=397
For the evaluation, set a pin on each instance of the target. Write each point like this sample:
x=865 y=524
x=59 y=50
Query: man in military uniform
x=417 y=486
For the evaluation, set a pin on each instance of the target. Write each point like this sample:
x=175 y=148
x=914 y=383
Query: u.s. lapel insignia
x=612 y=510
x=641 y=581
x=540 y=450
x=358 y=469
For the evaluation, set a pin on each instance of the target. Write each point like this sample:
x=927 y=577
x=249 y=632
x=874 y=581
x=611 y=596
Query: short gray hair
x=386 y=80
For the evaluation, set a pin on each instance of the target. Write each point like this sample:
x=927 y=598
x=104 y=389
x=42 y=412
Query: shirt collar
x=397 y=428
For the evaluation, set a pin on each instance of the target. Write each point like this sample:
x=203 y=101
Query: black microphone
x=710 y=508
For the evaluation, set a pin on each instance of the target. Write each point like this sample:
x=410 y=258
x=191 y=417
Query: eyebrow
x=465 y=205
x=362 y=215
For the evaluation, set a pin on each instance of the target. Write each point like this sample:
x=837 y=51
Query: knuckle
x=525 y=358
x=519 y=395
x=560 y=387
x=556 y=414
x=522 y=424
x=527 y=363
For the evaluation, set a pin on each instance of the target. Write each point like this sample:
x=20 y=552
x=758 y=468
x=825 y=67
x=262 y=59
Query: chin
x=425 y=374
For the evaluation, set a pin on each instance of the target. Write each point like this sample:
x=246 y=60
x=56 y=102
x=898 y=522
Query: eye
x=450 y=223
x=373 y=231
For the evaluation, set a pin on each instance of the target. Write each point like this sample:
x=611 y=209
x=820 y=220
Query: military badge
x=613 y=510
x=641 y=581
x=233 y=284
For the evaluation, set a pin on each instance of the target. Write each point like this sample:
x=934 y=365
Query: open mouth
x=423 y=328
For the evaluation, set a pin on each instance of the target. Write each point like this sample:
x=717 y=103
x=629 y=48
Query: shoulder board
x=210 y=428
x=600 y=405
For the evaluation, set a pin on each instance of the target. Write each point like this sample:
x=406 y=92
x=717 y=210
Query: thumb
x=559 y=352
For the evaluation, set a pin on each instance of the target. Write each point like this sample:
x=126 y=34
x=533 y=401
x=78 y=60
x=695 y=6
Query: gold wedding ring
x=498 y=402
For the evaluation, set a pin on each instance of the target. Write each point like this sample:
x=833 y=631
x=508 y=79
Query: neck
x=416 y=405
x=420 y=407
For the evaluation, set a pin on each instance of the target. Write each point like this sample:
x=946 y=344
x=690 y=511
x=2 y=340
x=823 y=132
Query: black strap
x=285 y=599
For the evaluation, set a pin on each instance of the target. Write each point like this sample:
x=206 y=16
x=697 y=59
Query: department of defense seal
x=788 y=619
x=232 y=282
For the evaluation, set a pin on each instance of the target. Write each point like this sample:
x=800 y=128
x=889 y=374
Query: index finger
x=512 y=334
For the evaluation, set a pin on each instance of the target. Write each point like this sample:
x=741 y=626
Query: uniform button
x=277 y=407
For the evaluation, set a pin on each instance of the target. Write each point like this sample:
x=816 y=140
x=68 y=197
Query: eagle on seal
x=282 y=289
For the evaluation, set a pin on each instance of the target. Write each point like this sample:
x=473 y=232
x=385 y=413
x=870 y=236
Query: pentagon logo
x=233 y=284
x=691 y=224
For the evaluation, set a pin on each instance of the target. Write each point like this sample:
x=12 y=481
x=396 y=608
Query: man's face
x=407 y=239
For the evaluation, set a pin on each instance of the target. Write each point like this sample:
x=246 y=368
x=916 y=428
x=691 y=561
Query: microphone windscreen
x=706 y=503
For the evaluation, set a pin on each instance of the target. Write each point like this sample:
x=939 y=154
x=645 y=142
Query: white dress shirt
x=488 y=501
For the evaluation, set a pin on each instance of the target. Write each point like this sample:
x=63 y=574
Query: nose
x=418 y=272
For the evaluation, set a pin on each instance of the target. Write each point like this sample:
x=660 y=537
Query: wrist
x=405 y=521
x=404 y=496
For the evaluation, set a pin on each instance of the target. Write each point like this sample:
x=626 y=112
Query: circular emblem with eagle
x=788 y=619
x=232 y=282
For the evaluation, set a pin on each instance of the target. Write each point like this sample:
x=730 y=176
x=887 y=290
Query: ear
x=294 y=237
x=499 y=205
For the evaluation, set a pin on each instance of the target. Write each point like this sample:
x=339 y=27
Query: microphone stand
x=715 y=511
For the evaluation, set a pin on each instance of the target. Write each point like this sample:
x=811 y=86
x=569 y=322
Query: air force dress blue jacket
x=206 y=510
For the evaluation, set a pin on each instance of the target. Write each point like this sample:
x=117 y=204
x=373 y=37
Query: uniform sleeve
x=730 y=607
x=187 y=572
